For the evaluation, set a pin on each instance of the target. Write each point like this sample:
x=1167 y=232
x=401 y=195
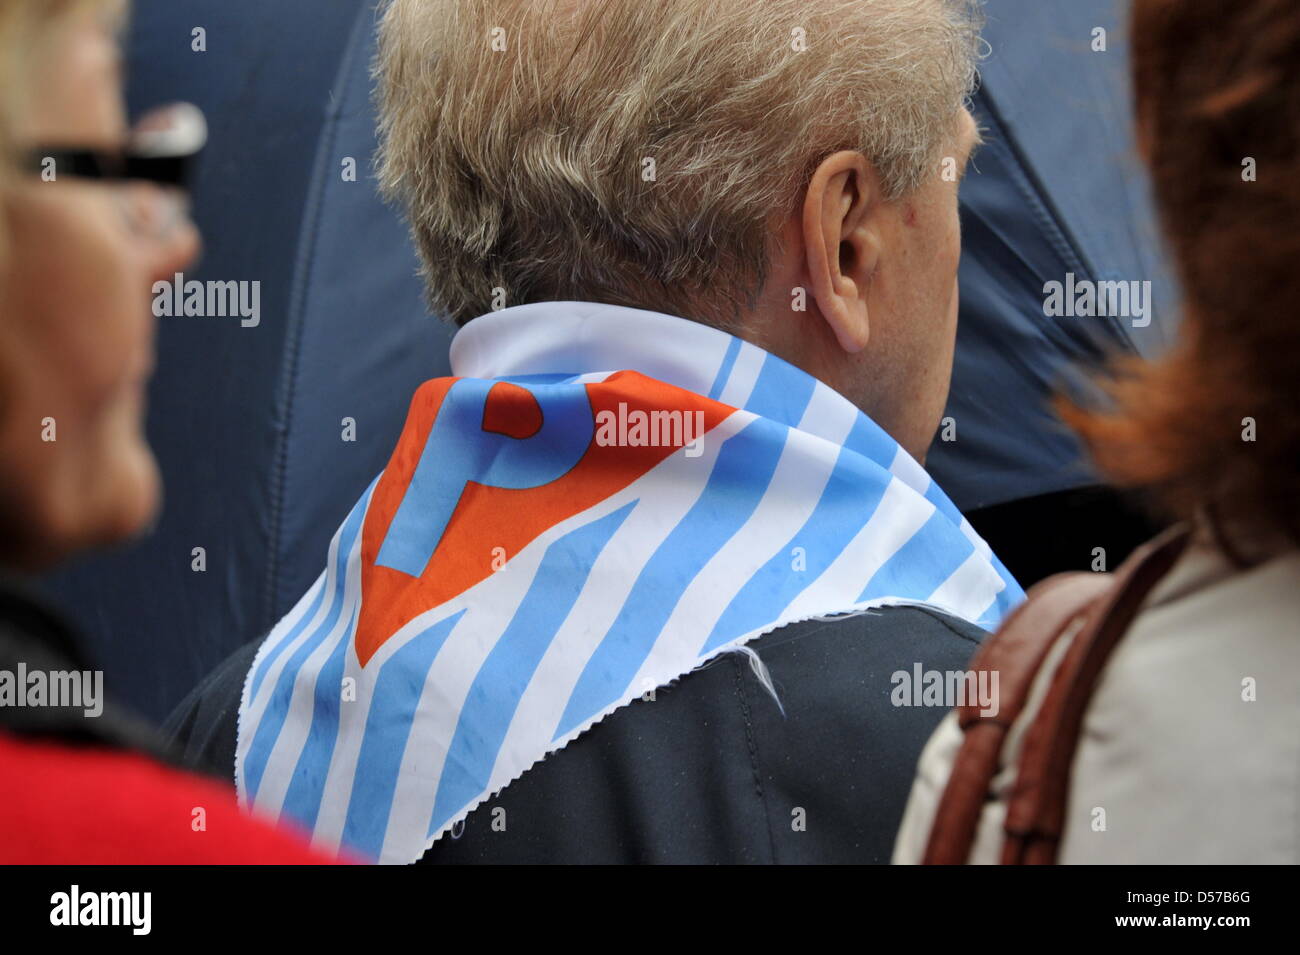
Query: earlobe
x=841 y=252
x=852 y=328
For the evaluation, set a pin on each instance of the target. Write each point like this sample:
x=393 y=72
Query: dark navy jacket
x=709 y=771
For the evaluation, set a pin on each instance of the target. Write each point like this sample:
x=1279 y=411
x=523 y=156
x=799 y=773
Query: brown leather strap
x=1016 y=654
x=1036 y=806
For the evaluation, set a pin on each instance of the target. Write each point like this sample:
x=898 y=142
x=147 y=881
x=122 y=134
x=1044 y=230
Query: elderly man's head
x=782 y=169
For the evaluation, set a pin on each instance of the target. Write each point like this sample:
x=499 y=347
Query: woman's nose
x=175 y=251
x=159 y=219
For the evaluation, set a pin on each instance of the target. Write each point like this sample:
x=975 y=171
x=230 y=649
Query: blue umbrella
x=1057 y=191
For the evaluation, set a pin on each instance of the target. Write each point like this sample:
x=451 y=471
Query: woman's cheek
x=103 y=311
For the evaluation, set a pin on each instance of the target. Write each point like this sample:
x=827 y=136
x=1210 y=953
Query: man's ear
x=841 y=248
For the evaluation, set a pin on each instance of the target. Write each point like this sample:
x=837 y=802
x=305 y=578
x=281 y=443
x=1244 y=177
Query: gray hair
x=641 y=152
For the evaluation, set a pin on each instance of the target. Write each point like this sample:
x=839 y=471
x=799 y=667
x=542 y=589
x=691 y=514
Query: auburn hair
x=1213 y=426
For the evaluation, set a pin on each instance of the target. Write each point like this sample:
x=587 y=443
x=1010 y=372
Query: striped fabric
x=601 y=500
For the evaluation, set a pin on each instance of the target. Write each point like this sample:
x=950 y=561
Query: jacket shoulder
x=203 y=729
x=801 y=757
x=798 y=757
x=837 y=758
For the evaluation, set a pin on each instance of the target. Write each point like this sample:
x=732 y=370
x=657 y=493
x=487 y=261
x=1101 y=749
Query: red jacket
x=91 y=805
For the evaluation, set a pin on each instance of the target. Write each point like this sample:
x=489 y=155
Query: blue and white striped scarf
x=600 y=501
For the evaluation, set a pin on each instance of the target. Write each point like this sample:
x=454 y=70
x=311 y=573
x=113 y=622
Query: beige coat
x=1191 y=746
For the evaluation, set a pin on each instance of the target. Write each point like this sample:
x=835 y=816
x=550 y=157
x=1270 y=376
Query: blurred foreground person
x=83 y=236
x=653 y=564
x=1160 y=725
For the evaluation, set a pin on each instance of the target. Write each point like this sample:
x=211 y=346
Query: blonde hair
x=638 y=152
x=24 y=27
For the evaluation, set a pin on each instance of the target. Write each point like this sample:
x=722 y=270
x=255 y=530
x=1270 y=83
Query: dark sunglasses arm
x=91 y=164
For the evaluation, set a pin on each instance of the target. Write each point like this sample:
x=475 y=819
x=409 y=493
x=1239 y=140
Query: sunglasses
x=161 y=149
